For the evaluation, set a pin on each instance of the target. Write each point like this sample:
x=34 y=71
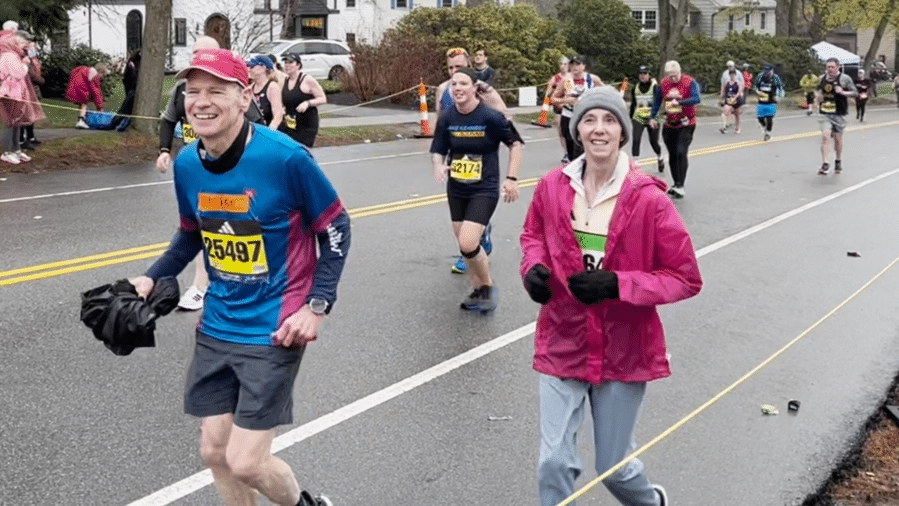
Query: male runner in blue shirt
x=257 y=204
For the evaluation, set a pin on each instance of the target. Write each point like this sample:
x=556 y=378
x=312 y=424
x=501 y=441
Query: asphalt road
x=79 y=426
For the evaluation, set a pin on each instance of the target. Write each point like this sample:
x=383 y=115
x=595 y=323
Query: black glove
x=535 y=282
x=591 y=287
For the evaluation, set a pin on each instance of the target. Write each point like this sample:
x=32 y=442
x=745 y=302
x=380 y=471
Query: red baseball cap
x=221 y=63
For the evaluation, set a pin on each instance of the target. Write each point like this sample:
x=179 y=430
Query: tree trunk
x=672 y=21
x=878 y=36
x=152 y=69
x=795 y=18
x=664 y=31
x=287 y=19
x=782 y=21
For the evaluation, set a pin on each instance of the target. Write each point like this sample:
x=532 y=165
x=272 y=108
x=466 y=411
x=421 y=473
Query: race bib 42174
x=468 y=169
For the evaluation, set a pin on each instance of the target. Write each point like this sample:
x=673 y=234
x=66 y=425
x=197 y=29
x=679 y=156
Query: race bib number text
x=468 y=169
x=235 y=249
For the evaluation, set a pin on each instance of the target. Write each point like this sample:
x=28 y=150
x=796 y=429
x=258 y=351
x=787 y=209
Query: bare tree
x=248 y=29
x=155 y=46
x=788 y=18
x=673 y=16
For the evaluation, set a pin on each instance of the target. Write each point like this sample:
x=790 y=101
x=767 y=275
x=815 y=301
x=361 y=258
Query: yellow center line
x=62 y=267
x=101 y=256
x=80 y=268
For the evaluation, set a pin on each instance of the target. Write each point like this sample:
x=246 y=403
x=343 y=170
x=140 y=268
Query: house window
x=762 y=21
x=399 y=4
x=350 y=4
x=350 y=39
x=694 y=19
x=730 y=23
x=446 y=3
x=649 y=20
x=748 y=20
x=180 y=31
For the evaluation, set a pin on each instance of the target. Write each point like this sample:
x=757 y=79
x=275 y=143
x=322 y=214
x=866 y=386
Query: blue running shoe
x=486 y=240
x=459 y=267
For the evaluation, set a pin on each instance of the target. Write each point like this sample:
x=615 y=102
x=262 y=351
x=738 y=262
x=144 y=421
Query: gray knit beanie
x=603 y=97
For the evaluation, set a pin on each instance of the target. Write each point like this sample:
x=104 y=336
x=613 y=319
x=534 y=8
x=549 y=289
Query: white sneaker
x=10 y=158
x=22 y=156
x=82 y=124
x=192 y=300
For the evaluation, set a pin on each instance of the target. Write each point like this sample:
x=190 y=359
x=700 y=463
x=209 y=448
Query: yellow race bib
x=467 y=168
x=235 y=248
x=829 y=107
x=187 y=133
x=642 y=112
x=290 y=122
x=763 y=97
x=672 y=108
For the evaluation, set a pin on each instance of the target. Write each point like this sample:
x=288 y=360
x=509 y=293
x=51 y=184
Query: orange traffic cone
x=623 y=89
x=543 y=120
x=423 y=107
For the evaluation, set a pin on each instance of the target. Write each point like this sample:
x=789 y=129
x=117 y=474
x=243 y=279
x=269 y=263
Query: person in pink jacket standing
x=84 y=86
x=18 y=102
x=603 y=246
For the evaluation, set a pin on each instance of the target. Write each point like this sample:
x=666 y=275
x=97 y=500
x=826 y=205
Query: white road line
x=82 y=192
x=200 y=480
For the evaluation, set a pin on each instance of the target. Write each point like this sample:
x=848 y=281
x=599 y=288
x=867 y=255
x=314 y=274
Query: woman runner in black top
x=266 y=90
x=466 y=148
x=302 y=96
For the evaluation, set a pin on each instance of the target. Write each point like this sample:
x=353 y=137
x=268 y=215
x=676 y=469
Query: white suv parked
x=322 y=58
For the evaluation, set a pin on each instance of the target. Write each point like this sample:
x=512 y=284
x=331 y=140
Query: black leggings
x=767 y=122
x=652 y=133
x=572 y=149
x=678 y=140
x=860 y=108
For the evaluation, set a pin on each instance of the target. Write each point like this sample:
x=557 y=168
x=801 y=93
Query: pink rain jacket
x=81 y=88
x=648 y=248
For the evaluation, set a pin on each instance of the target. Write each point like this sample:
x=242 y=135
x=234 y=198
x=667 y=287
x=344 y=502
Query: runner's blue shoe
x=486 y=240
x=459 y=267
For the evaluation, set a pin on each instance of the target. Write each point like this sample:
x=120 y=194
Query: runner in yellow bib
x=465 y=153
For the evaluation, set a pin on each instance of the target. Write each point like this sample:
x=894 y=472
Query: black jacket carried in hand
x=121 y=319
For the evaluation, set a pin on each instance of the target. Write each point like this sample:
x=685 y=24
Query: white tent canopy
x=825 y=50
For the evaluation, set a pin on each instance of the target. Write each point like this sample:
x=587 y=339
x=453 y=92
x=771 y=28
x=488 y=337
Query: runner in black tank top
x=261 y=98
x=301 y=126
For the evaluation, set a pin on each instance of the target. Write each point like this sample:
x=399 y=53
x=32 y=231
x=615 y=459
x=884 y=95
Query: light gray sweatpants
x=614 y=408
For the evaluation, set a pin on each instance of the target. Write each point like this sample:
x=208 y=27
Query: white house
x=714 y=18
x=114 y=26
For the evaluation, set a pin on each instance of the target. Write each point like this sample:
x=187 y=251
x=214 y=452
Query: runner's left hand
x=298 y=329
x=510 y=190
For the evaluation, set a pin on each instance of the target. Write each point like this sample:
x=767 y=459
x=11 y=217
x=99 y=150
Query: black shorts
x=255 y=383
x=476 y=209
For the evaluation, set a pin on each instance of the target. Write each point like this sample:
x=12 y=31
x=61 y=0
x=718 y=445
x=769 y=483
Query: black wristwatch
x=319 y=306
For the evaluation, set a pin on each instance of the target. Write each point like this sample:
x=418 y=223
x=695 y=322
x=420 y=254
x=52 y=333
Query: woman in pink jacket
x=84 y=85
x=603 y=246
x=18 y=102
